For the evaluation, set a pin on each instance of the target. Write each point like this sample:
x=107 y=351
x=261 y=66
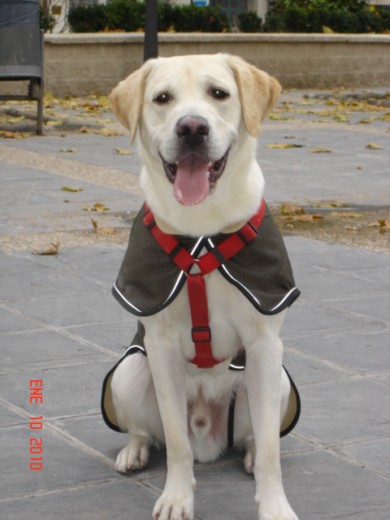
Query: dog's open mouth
x=193 y=176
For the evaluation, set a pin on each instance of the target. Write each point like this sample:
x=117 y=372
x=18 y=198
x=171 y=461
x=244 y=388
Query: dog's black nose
x=192 y=130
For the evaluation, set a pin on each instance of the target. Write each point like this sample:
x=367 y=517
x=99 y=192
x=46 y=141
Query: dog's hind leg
x=135 y=404
x=134 y=455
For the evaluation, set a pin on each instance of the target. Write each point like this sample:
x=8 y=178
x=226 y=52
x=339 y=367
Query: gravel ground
x=364 y=229
x=369 y=229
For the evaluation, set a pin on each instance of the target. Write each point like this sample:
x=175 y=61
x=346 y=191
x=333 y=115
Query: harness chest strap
x=196 y=287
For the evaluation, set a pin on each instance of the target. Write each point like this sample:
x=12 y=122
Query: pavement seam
x=56 y=430
x=355 y=461
x=59 y=330
x=332 y=449
x=81 y=446
x=327 y=305
x=77 y=444
x=350 y=373
x=55 y=491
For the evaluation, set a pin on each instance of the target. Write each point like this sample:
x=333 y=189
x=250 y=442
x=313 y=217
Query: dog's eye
x=218 y=93
x=163 y=98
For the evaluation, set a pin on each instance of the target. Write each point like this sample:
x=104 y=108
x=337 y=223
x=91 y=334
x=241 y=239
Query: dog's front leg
x=167 y=366
x=263 y=381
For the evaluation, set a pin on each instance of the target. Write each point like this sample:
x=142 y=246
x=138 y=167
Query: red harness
x=201 y=333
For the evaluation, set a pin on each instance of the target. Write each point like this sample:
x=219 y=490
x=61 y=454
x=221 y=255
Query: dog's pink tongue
x=191 y=183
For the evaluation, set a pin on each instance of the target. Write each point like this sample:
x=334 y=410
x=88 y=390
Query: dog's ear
x=258 y=92
x=127 y=99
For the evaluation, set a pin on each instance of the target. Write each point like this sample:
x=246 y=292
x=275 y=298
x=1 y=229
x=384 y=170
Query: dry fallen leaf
x=304 y=218
x=367 y=121
x=109 y=132
x=122 y=151
x=102 y=231
x=279 y=117
x=13 y=135
x=283 y=146
x=291 y=209
x=320 y=149
x=94 y=224
x=381 y=224
x=68 y=150
x=374 y=146
x=51 y=250
x=346 y=214
x=72 y=189
x=340 y=118
x=327 y=30
x=56 y=122
x=98 y=206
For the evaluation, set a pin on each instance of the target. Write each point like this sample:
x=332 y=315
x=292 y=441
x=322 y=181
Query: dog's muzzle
x=193 y=174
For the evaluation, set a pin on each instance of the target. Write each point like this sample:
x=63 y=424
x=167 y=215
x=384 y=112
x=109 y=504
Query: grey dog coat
x=149 y=281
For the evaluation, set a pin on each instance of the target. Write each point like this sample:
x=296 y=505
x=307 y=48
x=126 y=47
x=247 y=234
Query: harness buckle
x=247 y=233
x=201 y=334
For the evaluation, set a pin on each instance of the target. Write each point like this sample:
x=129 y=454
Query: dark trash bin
x=21 y=50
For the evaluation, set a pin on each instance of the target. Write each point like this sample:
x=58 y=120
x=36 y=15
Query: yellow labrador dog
x=207 y=274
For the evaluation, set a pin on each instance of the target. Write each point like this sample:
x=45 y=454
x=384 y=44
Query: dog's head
x=193 y=114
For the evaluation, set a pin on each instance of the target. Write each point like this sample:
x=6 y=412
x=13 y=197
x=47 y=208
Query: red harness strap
x=201 y=333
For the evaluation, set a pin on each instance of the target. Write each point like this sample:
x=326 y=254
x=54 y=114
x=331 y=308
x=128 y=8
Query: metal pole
x=151 y=39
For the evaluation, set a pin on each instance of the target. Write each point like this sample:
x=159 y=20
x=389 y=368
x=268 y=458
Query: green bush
x=322 y=5
x=126 y=15
x=296 y=20
x=249 y=22
x=87 y=18
x=129 y=16
x=308 y=16
x=341 y=16
x=189 y=18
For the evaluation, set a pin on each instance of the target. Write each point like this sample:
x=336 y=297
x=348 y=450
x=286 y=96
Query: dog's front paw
x=177 y=504
x=277 y=509
x=133 y=456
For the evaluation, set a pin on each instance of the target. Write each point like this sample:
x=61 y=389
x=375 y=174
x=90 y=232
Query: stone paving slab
x=93 y=500
x=335 y=488
x=89 y=148
x=371 y=353
x=37 y=202
x=349 y=173
x=64 y=465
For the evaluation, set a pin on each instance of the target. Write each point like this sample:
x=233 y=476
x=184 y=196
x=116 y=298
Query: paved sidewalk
x=59 y=325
